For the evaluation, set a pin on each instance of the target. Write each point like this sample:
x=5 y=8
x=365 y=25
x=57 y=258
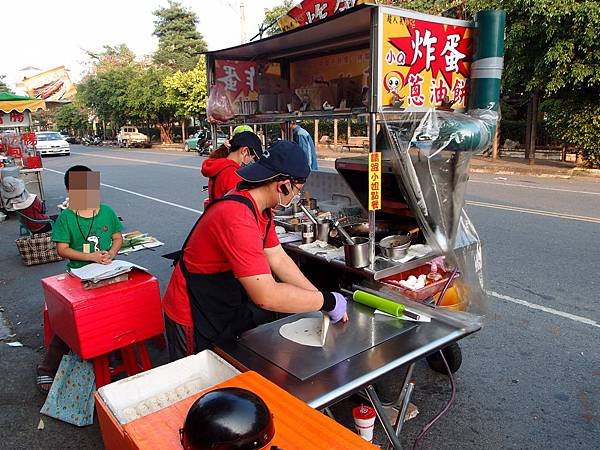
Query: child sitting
x=88 y=231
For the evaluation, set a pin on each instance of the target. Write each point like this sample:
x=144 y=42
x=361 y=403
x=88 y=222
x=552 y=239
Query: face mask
x=294 y=199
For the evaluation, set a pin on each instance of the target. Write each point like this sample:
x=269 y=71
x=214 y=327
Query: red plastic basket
x=33 y=162
x=423 y=294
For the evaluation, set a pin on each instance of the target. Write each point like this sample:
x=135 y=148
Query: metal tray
x=364 y=330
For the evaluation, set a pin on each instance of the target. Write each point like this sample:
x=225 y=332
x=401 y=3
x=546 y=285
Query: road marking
x=535 y=212
x=164 y=202
x=157 y=152
x=535 y=187
x=556 y=312
x=181 y=166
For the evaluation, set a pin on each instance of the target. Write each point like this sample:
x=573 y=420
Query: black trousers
x=180 y=339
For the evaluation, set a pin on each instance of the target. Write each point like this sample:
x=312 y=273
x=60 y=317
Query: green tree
x=272 y=14
x=104 y=88
x=553 y=57
x=3 y=85
x=146 y=100
x=186 y=93
x=180 y=44
x=72 y=118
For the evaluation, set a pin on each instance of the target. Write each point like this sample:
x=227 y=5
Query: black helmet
x=227 y=419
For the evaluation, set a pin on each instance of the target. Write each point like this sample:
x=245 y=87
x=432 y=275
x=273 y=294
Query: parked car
x=201 y=141
x=52 y=143
x=129 y=136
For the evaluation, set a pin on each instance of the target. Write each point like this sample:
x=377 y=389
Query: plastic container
x=97 y=321
x=174 y=381
x=423 y=294
x=452 y=300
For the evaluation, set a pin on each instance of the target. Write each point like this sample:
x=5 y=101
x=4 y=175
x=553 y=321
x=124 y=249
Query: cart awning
x=346 y=29
x=11 y=102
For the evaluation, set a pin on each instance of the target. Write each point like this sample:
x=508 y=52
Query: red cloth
x=227 y=238
x=221 y=176
x=35 y=212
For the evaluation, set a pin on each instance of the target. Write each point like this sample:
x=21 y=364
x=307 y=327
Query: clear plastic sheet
x=430 y=153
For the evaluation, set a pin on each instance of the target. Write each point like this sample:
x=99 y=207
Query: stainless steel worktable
x=355 y=373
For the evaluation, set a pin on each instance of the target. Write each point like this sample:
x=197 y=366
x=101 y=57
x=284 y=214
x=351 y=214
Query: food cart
x=18 y=155
x=430 y=101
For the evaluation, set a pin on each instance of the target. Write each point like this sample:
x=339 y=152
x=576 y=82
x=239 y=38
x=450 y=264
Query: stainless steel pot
x=323 y=231
x=357 y=255
x=308 y=232
x=395 y=246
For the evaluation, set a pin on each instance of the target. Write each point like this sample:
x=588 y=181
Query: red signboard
x=310 y=11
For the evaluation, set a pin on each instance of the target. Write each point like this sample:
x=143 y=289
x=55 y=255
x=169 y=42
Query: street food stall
x=386 y=227
x=18 y=154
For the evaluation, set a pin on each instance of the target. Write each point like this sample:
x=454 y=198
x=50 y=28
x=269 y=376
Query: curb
x=583 y=172
x=531 y=173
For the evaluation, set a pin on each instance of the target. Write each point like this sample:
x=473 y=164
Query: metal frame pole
x=379 y=410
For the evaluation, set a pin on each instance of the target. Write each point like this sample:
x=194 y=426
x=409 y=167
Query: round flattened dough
x=306 y=331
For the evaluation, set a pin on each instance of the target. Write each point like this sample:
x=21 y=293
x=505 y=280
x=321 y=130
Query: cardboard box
x=97 y=321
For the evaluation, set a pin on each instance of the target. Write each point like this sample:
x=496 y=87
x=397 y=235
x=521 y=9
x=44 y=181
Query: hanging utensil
x=306 y=211
x=343 y=232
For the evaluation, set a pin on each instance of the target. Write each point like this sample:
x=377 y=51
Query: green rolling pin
x=382 y=304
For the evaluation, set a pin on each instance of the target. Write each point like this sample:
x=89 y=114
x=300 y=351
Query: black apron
x=221 y=309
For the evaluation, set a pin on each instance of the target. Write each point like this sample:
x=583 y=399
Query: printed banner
x=15 y=119
x=374 y=181
x=240 y=81
x=310 y=11
x=53 y=85
x=424 y=64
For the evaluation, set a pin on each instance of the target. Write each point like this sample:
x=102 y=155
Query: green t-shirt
x=76 y=230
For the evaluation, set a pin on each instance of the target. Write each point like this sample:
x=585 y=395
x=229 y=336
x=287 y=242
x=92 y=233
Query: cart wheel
x=453 y=356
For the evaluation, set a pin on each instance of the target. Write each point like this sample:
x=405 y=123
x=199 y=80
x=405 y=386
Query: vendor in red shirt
x=223 y=283
x=221 y=165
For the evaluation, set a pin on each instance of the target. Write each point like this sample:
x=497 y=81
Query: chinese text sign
x=374 y=181
x=424 y=64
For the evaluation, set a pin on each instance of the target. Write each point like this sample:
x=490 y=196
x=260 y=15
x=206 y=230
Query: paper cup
x=364 y=421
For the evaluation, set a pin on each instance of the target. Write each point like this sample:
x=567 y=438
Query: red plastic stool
x=130 y=366
x=47 y=328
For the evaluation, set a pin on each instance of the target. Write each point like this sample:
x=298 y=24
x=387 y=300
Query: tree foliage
x=146 y=100
x=272 y=14
x=3 y=86
x=180 y=44
x=186 y=91
x=72 y=118
x=104 y=88
x=551 y=48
